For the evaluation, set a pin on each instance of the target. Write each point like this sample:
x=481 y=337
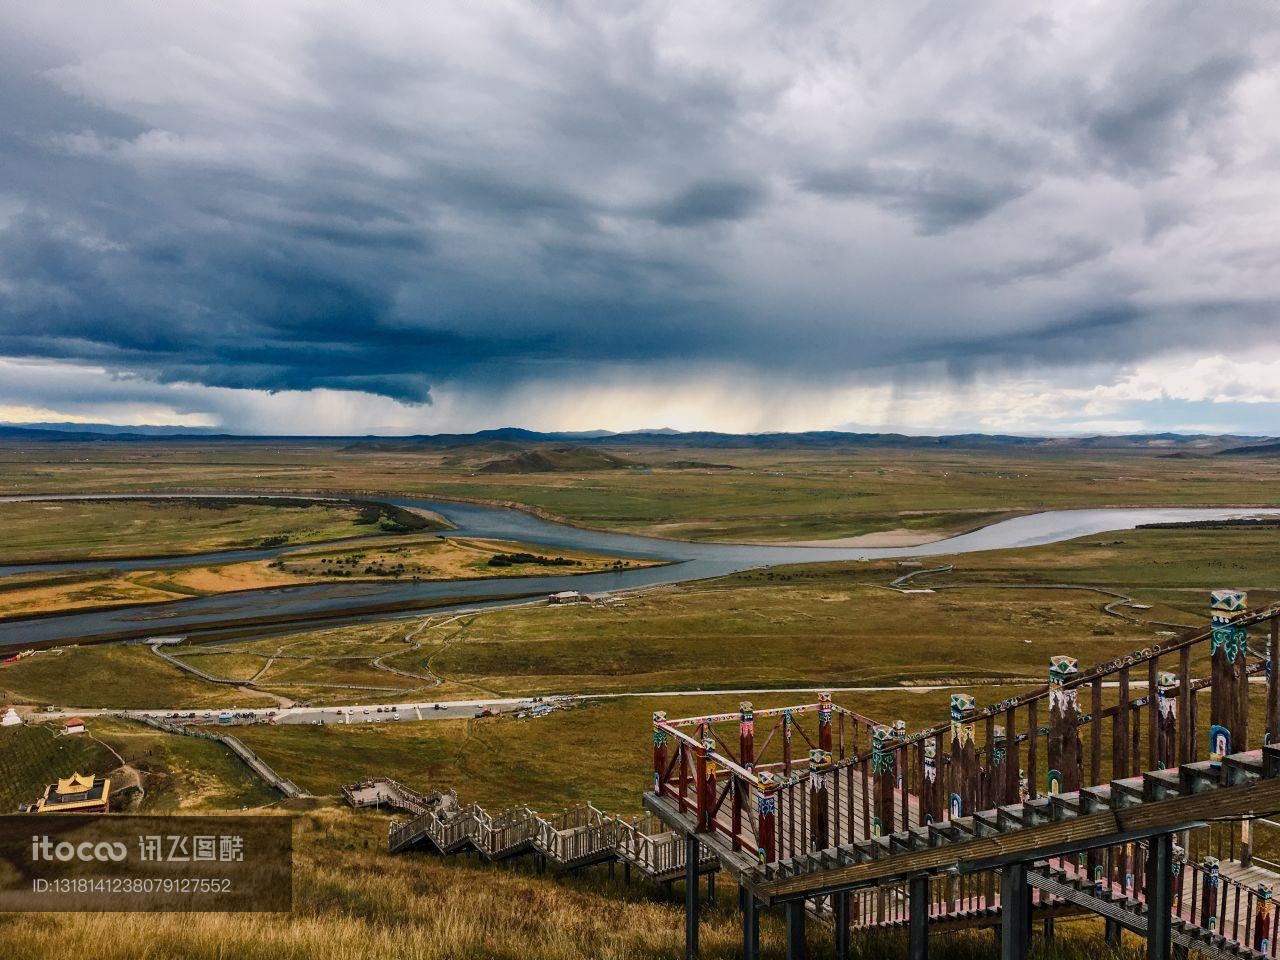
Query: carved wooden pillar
x=1229 y=700
x=819 y=798
x=705 y=771
x=824 y=721
x=931 y=787
x=659 y=750
x=882 y=776
x=786 y=743
x=1166 y=755
x=1066 y=755
x=1263 y=914
x=1209 y=894
x=994 y=777
x=900 y=761
x=766 y=813
x=1179 y=874
x=964 y=756
x=747 y=735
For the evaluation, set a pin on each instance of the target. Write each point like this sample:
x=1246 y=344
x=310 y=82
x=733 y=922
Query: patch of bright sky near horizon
x=304 y=217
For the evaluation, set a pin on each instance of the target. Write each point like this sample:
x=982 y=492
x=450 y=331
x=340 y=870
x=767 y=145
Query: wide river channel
x=329 y=603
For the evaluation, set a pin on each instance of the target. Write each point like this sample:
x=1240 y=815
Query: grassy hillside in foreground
x=352 y=901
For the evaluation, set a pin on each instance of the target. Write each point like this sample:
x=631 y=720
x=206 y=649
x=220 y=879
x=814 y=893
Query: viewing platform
x=1077 y=796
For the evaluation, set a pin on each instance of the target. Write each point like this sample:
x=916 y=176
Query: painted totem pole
x=1209 y=894
x=931 y=789
x=964 y=756
x=992 y=789
x=747 y=734
x=1179 y=874
x=1263 y=918
x=706 y=784
x=786 y=742
x=1229 y=648
x=1166 y=721
x=766 y=810
x=659 y=750
x=900 y=756
x=824 y=721
x=882 y=775
x=819 y=797
x=1066 y=764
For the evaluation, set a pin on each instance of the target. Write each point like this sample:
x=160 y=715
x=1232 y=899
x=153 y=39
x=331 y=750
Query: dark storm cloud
x=287 y=197
x=709 y=201
x=936 y=200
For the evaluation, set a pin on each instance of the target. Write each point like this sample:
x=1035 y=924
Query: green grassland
x=87 y=530
x=769 y=495
x=175 y=773
x=817 y=624
x=33 y=756
x=597 y=751
x=185 y=774
x=117 y=676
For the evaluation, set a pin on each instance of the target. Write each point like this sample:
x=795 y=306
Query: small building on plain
x=565 y=596
x=74 y=725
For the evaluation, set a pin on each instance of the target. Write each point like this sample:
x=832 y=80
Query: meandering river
x=327 y=603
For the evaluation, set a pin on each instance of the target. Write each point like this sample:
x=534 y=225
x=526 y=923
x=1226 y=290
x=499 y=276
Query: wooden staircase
x=577 y=837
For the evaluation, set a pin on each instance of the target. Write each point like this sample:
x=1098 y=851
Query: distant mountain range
x=515 y=439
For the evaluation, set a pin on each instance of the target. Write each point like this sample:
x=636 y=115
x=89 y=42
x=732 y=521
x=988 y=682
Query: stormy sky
x=310 y=217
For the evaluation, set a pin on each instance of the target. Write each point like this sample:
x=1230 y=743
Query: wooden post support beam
x=1186 y=722
x=795 y=930
x=1120 y=730
x=1012 y=761
x=918 y=906
x=840 y=907
x=1159 y=896
x=750 y=926
x=1095 y=731
x=692 y=854
x=1015 y=919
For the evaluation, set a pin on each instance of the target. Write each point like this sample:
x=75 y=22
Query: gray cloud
x=290 y=197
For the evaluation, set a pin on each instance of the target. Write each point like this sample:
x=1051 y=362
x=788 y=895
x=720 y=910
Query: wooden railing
x=1081 y=728
x=576 y=835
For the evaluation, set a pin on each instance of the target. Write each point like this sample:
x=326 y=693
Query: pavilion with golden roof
x=77 y=793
